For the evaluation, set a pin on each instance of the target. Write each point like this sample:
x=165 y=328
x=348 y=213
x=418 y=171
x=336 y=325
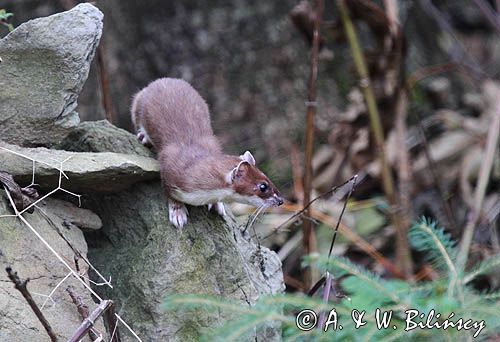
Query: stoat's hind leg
x=219 y=208
x=143 y=137
x=177 y=213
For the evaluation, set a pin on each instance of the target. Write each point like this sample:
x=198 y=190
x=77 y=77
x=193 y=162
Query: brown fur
x=177 y=120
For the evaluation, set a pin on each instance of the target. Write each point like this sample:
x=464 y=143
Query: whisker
x=253 y=217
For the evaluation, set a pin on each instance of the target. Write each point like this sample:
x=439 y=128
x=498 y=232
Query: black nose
x=279 y=200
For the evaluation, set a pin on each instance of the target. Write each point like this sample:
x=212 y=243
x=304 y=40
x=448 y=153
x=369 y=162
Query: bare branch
x=23 y=197
x=89 y=322
x=309 y=238
x=22 y=287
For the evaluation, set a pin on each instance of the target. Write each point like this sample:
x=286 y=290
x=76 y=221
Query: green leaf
x=4 y=14
x=368 y=220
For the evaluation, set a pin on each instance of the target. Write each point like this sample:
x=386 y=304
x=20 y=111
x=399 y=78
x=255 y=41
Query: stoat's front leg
x=177 y=213
x=219 y=208
x=143 y=137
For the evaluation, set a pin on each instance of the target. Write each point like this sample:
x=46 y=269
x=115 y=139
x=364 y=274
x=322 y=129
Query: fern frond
x=438 y=246
x=414 y=289
x=486 y=266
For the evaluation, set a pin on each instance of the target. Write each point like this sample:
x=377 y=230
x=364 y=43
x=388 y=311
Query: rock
x=87 y=172
x=102 y=136
x=26 y=254
x=45 y=64
x=71 y=215
x=148 y=259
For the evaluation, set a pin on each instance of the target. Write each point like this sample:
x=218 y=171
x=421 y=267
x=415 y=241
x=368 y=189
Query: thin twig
x=252 y=218
x=489 y=13
x=348 y=233
x=308 y=237
x=49 y=297
x=107 y=101
x=364 y=245
x=22 y=287
x=81 y=307
x=328 y=276
x=78 y=254
x=403 y=160
x=325 y=297
x=110 y=318
x=457 y=52
x=484 y=175
x=305 y=208
x=404 y=177
x=403 y=164
x=429 y=71
x=298 y=186
x=434 y=174
x=353 y=186
x=89 y=322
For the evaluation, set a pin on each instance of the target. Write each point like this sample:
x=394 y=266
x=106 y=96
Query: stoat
x=171 y=116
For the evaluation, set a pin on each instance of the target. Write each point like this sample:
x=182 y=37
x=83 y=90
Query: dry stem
x=309 y=242
x=484 y=175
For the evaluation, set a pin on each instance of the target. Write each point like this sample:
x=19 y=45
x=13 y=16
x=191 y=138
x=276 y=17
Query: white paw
x=219 y=208
x=143 y=137
x=177 y=213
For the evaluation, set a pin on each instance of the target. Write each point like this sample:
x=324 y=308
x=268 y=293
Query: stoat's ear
x=247 y=156
x=231 y=175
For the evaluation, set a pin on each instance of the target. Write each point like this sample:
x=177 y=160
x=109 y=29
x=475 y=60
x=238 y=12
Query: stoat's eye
x=263 y=187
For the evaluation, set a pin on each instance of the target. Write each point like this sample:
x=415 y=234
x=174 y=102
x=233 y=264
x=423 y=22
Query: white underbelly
x=202 y=197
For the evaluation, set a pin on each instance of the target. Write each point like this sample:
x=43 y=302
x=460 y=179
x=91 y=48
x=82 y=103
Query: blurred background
x=433 y=67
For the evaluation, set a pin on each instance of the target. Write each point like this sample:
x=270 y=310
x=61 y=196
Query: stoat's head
x=250 y=185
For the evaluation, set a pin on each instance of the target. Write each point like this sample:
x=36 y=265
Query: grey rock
x=86 y=172
x=71 y=215
x=148 y=259
x=27 y=255
x=102 y=136
x=45 y=64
